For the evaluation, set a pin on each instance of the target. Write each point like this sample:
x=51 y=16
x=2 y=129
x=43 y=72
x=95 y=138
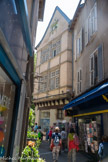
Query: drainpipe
x=72 y=60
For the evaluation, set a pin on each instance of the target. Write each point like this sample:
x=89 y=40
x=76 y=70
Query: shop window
x=7 y=96
x=60 y=114
x=96 y=66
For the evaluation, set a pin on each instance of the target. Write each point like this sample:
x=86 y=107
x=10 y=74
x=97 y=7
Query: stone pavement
x=46 y=154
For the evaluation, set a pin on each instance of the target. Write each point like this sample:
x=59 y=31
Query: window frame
x=79 y=81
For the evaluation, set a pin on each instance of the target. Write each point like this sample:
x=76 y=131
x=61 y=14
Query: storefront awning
x=100 y=90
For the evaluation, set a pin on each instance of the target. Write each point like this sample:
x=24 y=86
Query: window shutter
x=80 y=77
x=81 y=40
x=100 y=63
x=86 y=32
x=95 y=11
x=76 y=49
x=92 y=69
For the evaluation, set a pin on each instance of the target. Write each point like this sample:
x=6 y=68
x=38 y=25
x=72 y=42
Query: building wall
x=62 y=61
x=100 y=37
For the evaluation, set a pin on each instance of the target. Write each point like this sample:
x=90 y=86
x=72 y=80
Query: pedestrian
x=50 y=135
x=56 y=143
x=103 y=149
x=35 y=127
x=64 y=138
x=40 y=133
x=73 y=145
x=47 y=135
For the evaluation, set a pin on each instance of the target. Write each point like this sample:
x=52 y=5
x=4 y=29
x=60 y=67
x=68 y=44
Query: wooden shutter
x=76 y=49
x=86 y=32
x=95 y=11
x=100 y=63
x=92 y=69
x=80 y=77
x=81 y=41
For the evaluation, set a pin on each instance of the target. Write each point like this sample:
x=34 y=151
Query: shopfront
x=88 y=113
x=9 y=101
x=7 y=96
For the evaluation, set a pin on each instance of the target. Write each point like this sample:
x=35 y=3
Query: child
x=103 y=149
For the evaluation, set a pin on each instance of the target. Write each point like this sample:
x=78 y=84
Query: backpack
x=50 y=133
x=56 y=139
x=40 y=134
x=63 y=135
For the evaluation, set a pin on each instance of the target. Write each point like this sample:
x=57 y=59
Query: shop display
x=7 y=94
x=89 y=135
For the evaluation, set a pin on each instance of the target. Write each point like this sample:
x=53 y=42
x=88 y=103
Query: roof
x=41 y=10
x=62 y=13
x=76 y=15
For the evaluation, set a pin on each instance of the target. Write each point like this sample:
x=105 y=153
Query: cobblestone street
x=46 y=154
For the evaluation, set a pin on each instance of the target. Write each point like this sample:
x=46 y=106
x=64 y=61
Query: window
x=45 y=115
x=50 y=51
x=54 y=79
x=79 y=81
x=60 y=114
x=54 y=52
x=43 y=83
x=96 y=66
x=79 y=44
x=56 y=48
x=45 y=55
x=91 y=24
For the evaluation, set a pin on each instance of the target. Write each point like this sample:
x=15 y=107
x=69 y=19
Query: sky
x=67 y=6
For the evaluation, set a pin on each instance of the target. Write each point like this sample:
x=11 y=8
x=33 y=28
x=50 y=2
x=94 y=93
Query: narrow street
x=46 y=154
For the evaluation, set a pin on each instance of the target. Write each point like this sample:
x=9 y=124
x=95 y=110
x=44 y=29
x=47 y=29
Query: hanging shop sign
x=68 y=112
x=105 y=98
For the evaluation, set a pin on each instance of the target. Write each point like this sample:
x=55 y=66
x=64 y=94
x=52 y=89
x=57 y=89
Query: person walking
x=73 y=145
x=103 y=149
x=40 y=133
x=35 y=127
x=64 y=138
x=50 y=134
x=56 y=143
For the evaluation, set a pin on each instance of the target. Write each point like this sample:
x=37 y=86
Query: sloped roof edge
x=62 y=13
x=79 y=7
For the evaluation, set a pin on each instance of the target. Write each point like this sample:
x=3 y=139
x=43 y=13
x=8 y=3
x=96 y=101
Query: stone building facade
x=53 y=83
